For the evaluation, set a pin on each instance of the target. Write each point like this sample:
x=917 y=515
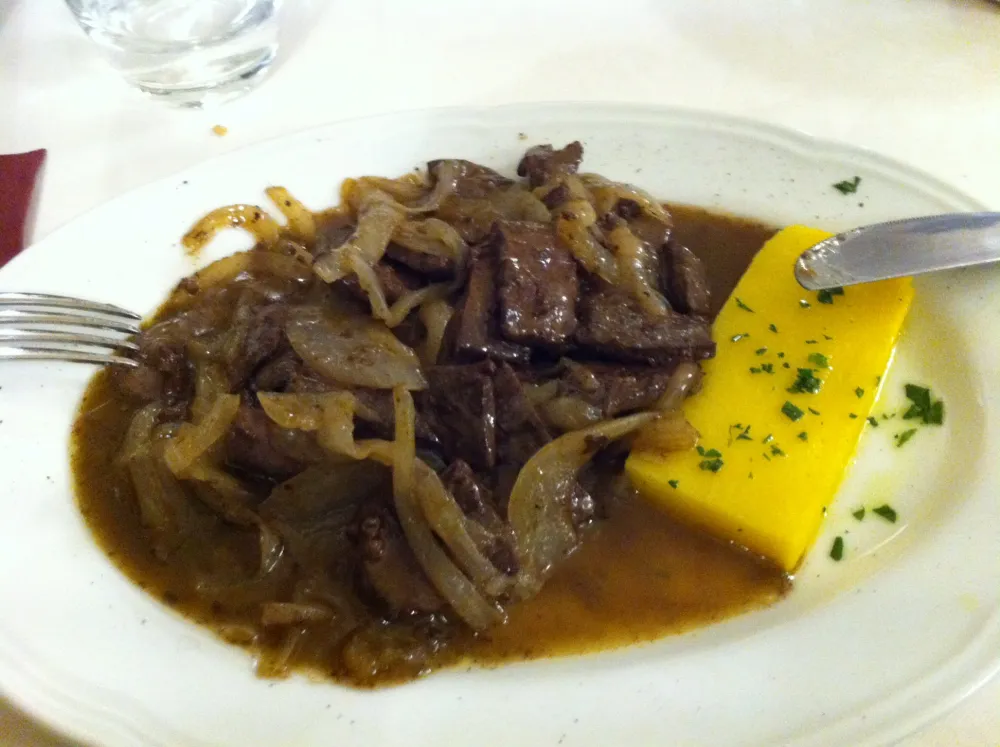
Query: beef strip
x=389 y=565
x=685 y=281
x=474 y=181
x=264 y=340
x=496 y=537
x=396 y=280
x=333 y=229
x=612 y=324
x=377 y=419
x=164 y=373
x=615 y=388
x=520 y=430
x=250 y=446
x=460 y=410
x=431 y=266
x=536 y=284
x=542 y=163
x=472 y=332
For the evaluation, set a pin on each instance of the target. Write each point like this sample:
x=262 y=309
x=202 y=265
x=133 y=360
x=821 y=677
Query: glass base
x=201 y=96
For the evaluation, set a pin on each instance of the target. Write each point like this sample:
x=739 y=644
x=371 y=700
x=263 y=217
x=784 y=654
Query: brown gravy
x=637 y=577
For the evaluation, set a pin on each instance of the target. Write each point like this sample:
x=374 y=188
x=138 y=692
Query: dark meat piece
x=556 y=197
x=265 y=338
x=613 y=325
x=473 y=181
x=276 y=374
x=472 y=331
x=432 y=266
x=654 y=232
x=378 y=418
x=332 y=231
x=616 y=389
x=537 y=285
x=460 y=409
x=686 y=282
x=542 y=163
x=520 y=430
x=250 y=446
x=390 y=568
x=164 y=373
x=496 y=537
x=396 y=280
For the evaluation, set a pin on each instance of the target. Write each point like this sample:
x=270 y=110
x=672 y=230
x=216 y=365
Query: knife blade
x=901 y=248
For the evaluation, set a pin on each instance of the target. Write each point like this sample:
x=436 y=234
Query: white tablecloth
x=918 y=80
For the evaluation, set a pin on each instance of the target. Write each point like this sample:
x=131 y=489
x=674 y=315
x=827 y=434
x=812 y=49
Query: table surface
x=918 y=80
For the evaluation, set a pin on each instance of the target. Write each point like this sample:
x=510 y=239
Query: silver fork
x=39 y=326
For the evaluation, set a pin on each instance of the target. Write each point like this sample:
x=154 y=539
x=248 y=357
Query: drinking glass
x=186 y=52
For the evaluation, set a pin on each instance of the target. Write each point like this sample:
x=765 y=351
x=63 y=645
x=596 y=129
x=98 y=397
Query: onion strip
x=252 y=218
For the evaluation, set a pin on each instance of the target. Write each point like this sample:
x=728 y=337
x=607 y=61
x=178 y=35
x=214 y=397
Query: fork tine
x=63 y=354
x=20 y=317
x=48 y=336
x=8 y=298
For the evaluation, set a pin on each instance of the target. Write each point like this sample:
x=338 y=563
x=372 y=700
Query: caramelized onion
x=638 y=268
x=430 y=236
x=195 y=439
x=606 y=195
x=573 y=226
x=377 y=220
x=450 y=582
x=353 y=351
x=252 y=218
x=301 y=223
x=435 y=314
x=538 y=509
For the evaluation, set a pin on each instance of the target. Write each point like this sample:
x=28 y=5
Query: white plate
x=860 y=653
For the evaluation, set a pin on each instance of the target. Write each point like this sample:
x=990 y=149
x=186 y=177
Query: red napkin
x=17 y=182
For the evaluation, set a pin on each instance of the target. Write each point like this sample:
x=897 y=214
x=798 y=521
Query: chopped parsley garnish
x=811 y=342
x=772 y=328
x=803 y=436
x=859 y=392
x=827 y=337
x=819 y=360
x=924 y=407
x=776 y=451
x=743 y=305
x=791 y=412
x=768 y=438
x=766 y=457
x=826 y=295
x=852 y=415
x=806 y=382
x=859 y=514
x=837 y=550
x=887 y=512
x=872 y=421
x=760 y=351
x=711 y=465
x=848 y=186
x=767 y=367
x=737 y=338
x=742 y=434
x=785 y=365
x=673 y=483
x=902 y=438
x=814 y=412
x=804 y=303
x=710 y=453
x=781 y=355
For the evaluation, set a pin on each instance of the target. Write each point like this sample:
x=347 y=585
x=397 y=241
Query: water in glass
x=188 y=52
